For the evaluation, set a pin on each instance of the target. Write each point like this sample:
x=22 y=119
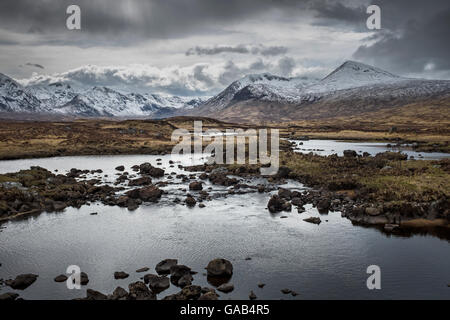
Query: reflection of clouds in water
x=328 y=147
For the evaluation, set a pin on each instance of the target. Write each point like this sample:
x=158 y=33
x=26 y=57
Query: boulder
x=8 y=296
x=23 y=281
x=284 y=193
x=157 y=283
x=323 y=205
x=350 y=153
x=120 y=168
x=209 y=296
x=95 y=295
x=60 y=278
x=164 y=266
x=120 y=275
x=190 y=201
x=139 y=291
x=226 y=287
x=179 y=270
x=314 y=220
x=219 y=268
x=191 y=292
x=196 y=186
x=119 y=294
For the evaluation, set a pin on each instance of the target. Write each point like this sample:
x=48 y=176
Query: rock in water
x=120 y=275
x=226 y=287
x=60 y=278
x=8 y=296
x=252 y=295
x=95 y=295
x=164 y=266
x=23 y=281
x=139 y=291
x=219 y=268
x=313 y=220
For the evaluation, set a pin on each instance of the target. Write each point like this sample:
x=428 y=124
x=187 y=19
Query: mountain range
x=352 y=88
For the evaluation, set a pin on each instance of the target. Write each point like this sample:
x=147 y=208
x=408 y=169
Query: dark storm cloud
x=118 y=19
x=332 y=12
x=414 y=38
x=242 y=49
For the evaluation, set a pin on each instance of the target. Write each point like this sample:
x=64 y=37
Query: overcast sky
x=197 y=47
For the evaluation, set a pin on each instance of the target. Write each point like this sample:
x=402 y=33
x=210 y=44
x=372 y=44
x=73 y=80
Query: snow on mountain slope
x=259 y=86
x=53 y=95
x=352 y=74
x=15 y=98
x=103 y=101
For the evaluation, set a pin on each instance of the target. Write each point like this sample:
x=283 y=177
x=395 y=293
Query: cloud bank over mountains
x=199 y=79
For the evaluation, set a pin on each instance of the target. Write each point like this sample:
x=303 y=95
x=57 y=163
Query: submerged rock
x=226 y=287
x=219 y=268
x=164 y=266
x=314 y=220
x=120 y=275
x=60 y=278
x=139 y=291
x=22 y=281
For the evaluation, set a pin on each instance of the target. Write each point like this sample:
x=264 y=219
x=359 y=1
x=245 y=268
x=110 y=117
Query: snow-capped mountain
x=263 y=86
x=15 y=98
x=63 y=99
x=351 y=88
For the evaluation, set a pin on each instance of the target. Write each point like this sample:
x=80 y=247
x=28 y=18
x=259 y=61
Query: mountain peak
x=352 y=68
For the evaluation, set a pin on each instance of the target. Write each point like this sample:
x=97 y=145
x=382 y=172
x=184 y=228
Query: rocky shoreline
x=168 y=272
x=338 y=189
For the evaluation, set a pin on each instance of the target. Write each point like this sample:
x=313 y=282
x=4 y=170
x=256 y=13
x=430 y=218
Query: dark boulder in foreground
x=164 y=266
x=120 y=168
x=314 y=220
x=22 y=281
x=157 y=283
x=8 y=296
x=139 y=291
x=196 y=186
x=60 y=278
x=277 y=204
x=190 y=201
x=219 y=268
x=350 y=153
x=150 y=193
x=119 y=294
x=95 y=295
x=120 y=275
x=226 y=287
x=147 y=168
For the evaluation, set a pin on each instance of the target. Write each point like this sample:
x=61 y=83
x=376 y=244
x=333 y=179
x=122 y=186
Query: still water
x=328 y=147
x=326 y=261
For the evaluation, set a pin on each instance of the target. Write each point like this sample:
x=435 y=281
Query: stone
x=286 y=291
x=60 y=278
x=164 y=266
x=191 y=292
x=190 y=201
x=8 y=296
x=23 y=281
x=139 y=291
x=219 y=268
x=144 y=269
x=120 y=275
x=196 y=186
x=252 y=296
x=314 y=220
x=226 y=287
x=119 y=294
x=120 y=168
x=95 y=295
